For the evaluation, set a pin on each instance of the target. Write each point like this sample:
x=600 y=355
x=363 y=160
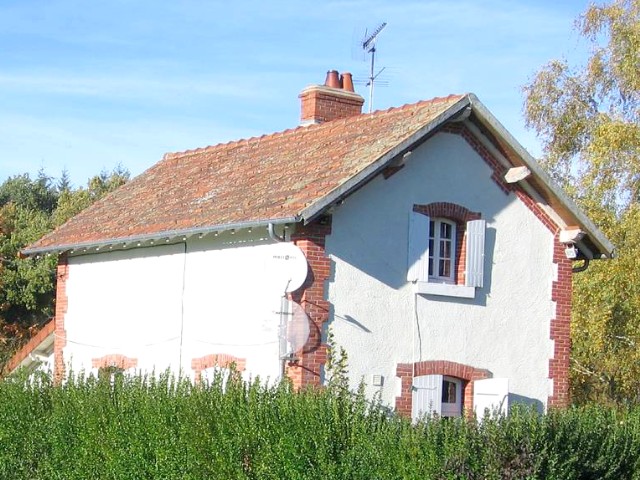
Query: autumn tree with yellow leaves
x=588 y=119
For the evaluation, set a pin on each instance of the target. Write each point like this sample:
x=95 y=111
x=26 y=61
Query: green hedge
x=138 y=428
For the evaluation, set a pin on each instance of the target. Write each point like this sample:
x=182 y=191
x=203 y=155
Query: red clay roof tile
x=257 y=179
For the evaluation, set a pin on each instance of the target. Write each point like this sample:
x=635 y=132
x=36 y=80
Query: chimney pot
x=335 y=99
x=332 y=79
x=347 y=82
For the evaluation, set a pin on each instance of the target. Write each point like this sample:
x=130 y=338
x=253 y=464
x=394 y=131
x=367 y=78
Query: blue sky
x=87 y=86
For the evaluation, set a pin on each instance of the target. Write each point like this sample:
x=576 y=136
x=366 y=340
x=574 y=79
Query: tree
x=30 y=194
x=72 y=202
x=588 y=119
x=28 y=210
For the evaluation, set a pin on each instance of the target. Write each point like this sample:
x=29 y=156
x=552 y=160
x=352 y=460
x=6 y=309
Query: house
x=425 y=237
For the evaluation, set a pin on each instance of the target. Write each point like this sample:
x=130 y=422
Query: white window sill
x=445 y=289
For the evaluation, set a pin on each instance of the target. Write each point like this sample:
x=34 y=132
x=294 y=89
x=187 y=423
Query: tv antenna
x=369 y=46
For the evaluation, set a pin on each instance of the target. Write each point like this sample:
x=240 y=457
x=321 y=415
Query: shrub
x=165 y=427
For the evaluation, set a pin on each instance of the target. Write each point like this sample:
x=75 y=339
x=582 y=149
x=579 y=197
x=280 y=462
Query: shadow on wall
x=387 y=263
x=515 y=399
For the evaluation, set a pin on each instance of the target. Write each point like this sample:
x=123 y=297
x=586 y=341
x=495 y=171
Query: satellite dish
x=285 y=267
x=297 y=327
x=295 y=330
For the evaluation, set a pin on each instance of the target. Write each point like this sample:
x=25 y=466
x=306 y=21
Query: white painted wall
x=167 y=305
x=504 y=329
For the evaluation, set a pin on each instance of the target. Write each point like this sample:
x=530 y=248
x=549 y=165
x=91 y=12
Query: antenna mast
x=369 y=46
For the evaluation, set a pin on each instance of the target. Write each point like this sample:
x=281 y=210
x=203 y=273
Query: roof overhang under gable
x=554 y=196
x=470 y=110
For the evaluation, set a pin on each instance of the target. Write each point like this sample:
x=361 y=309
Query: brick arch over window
x=407 y=371
x=114 y=360
x=453 y=211
x=222 y=360
x=459 y=214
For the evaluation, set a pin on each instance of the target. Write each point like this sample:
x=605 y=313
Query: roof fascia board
x=594 y=232
x=158 y=236
x=355 y=182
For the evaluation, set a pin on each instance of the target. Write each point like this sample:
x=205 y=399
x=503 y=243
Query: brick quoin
x=311 y=296
x=407 y=371
x=60 y=334
x=561 y=329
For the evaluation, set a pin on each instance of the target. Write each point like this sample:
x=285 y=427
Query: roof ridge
x=292 y=130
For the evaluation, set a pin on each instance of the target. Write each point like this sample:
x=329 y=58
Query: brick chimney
x=335 y=99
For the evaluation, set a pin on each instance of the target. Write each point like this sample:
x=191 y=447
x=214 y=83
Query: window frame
x=435 y=256
x=452 y=409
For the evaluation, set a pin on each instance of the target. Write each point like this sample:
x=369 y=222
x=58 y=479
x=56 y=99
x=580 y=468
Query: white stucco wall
x=167 y=305
x=504 y=329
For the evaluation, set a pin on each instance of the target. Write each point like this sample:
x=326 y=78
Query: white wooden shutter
x=474 y=268
x=426 y=396
x=492 y=395
x=418 y=249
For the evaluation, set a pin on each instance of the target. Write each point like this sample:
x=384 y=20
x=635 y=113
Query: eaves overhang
x=167 y=236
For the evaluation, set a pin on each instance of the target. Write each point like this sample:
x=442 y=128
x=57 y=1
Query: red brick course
x=322 y=104
x=60 y=338
x=311 y=296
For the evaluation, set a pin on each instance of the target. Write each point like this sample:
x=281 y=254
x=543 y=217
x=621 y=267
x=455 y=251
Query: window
x=451 y=397
x=436 y=394
x=446 y=255
x=442 y=239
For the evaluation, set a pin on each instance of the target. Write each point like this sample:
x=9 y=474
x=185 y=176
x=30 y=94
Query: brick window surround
x=460 y=215
x=222 y=360
x=467 y=373
x=114 y=360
